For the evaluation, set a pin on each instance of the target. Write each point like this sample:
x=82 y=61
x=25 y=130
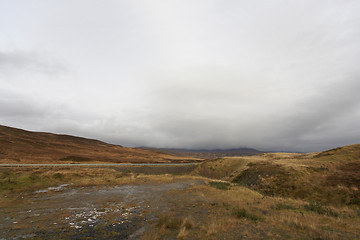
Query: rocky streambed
x=98 y=212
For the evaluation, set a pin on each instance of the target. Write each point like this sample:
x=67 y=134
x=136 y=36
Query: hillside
x=329 y=177
x=20 y=146
x=268 y=196
x=207 y=153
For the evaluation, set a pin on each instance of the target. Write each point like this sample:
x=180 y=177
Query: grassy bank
x=330 y=178
x=240 y=213
x=30 y=178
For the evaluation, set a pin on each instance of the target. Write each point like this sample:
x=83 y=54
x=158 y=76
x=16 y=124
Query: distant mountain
x=205 y=153
x=21 y=146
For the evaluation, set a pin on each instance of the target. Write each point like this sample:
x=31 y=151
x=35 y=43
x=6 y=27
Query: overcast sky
x=272 y=75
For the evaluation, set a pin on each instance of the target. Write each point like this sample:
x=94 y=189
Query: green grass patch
x=220 y=185
x=282 y=206
x=319 y=209
x=23 y=181
x=58 y=176
x=327 y=228
x=243 y=213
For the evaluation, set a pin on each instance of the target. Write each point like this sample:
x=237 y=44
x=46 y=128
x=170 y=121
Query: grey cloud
x=29 y=61
x=21 y=111
x=326 y=114
x=230 y=112
x=200 y=74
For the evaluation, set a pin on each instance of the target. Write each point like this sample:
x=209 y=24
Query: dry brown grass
x=280 y=218
x=331 y=177
x=20 y=146
x=150 y=235
x=217 y=226
x=186 y=225
x=169 y=224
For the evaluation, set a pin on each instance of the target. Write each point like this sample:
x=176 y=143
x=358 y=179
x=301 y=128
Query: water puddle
x=56 y=189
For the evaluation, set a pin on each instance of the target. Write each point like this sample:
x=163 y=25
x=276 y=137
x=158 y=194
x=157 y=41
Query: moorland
x=266 y=196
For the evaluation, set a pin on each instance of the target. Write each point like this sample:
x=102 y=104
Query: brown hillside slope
x=20 y=146
x=329 y=177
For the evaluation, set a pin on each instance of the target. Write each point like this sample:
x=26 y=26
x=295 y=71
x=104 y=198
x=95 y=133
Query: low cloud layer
x=196 y=74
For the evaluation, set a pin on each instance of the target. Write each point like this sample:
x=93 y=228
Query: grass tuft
x=282 y=206
x=319 y=209
x=58 y=176
x=243 y=213
x=220 y=185
x=169 y=221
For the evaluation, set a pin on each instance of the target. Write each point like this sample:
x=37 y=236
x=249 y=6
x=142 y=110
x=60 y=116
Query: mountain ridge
x=22 y=146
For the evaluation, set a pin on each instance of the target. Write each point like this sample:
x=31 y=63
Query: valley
x=266 y=196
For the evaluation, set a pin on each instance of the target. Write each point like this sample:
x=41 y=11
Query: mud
x=120 y=212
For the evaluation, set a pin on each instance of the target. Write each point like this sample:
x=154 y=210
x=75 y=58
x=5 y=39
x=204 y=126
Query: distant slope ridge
x=208 y=153
x=21 y=146
x=346 y=152
x=329 y=177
